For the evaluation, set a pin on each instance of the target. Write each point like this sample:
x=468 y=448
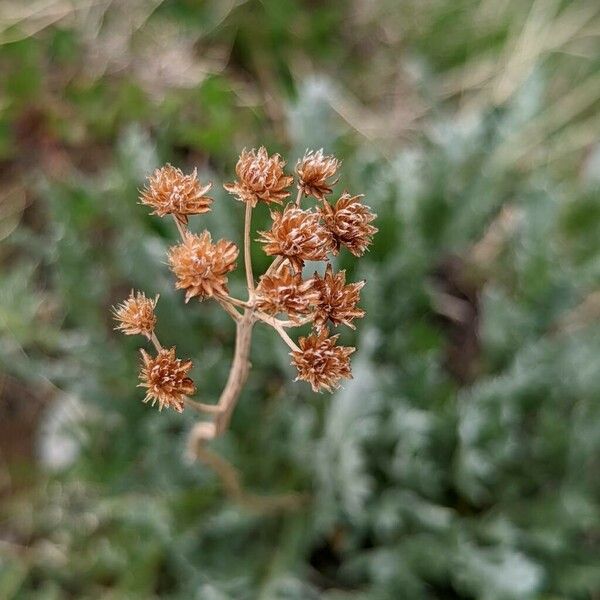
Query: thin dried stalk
x=233 y=487
x=238 y=373
x=229 y=309
x=180 y=227
x=247 y=254
x=298 y=197
x=279 y=328
x=201 y=407
x=155 y=341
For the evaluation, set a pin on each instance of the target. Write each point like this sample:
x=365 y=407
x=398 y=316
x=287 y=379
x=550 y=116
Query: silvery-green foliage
x=423 y=484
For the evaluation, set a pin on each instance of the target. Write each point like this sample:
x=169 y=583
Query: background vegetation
x=462 y=460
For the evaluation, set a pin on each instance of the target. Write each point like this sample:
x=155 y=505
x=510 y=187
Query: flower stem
x=228 y=308
x=278 y=326
x=240 y=367
x=238 y=374
x=286 y=338
x=201 y=407
x=247 y=254
x=274 y=265
x=298 y=323
x=238 y=302
x=155 y=341
x=180 y=227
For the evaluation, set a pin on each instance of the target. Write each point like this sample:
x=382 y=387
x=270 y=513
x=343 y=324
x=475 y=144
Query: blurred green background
x=463 y=460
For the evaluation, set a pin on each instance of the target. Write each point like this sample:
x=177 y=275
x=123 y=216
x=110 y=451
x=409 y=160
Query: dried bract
x=170 y=192
x=135 y=315
x=285 y=292
x=166 y=379
x=337 y=301
x=201 y=267
x=260 y=177
x=297 y=235
x=349 y=223
x=321 y=362
x=315 y=171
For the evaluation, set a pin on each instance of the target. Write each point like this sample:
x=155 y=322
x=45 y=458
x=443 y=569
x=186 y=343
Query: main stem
x=238 y=374
x=240 y=366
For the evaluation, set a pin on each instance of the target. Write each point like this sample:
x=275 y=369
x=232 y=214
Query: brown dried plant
x=260 y=177
x=165 y=378
x=336 y=301
x=296 y=235
x=315 y=171
x=201 y=268
x=135 y=315
x=285 y=292
x=349 y=222
x=170 y=192
x=321 y=362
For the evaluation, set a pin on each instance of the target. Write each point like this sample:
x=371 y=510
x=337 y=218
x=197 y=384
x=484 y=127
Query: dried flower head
x=260 y=177
x=314 y=172
x=165 y=378
x=337 y=302
x=135 y=315
x=285 y=292
x=320 y=362
x=170 y=192
x=200 y=266
x=297 y=235
x=349 y=223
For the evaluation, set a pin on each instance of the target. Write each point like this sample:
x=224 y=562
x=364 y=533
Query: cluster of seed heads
x=283 y=297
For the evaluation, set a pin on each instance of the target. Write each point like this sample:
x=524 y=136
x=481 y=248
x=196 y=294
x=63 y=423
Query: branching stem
x=238 y=302
x=240 y=365
x=286 y=338
x=201 y=407
x=238 y=374
x=276 y=324
x=229 y=309
x=298 y=323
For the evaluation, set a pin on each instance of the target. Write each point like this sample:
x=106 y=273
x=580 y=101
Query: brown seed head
x=260 y=177
x=320 y=362
x=337 y=302
x=349 y=223
x=314 y=170
x=285 y=292
x=201 y=267
x=297 y=235
x=135 y=315
x=170 y=192
x=165 y=378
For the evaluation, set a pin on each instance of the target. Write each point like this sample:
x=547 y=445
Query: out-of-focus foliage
x=462 y=460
